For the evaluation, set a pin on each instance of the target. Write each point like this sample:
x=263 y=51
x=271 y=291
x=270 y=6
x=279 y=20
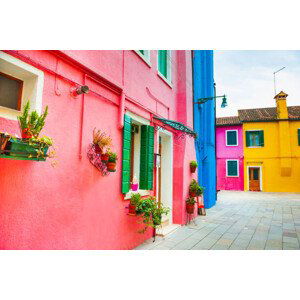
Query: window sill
x=233 y=176
x=144 y=58
x=169 y=83
x=141 y=192
x=231 y=145
x=255 y=147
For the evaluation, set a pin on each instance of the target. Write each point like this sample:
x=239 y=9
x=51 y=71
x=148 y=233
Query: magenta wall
x=229 y=152
x=72 y=206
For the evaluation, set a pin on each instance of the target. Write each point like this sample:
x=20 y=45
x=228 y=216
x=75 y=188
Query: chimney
x=282 y=112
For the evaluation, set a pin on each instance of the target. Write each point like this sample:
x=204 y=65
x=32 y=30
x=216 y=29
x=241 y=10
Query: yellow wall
x=279 y=159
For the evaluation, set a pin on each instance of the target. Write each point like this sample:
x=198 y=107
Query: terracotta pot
x=192 y=194
x=111 y=166
x=26 y=134
x=131 y=209
x=3 y=141
x=104 y=158
x=134 y=187
x=193 y=169
x=98 y=150
x=190 y=208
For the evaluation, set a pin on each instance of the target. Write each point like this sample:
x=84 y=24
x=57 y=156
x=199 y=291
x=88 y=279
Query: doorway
x=254 y=179
x=164 y=168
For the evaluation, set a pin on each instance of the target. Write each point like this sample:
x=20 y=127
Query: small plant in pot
x=193 y=166
x=190 y=205
x=195 y=189
x=134 y=184
x=105 y=156
x=112 y=162
x=100 y=141
x=32 y=123
x=134 y=200
x=4 y=138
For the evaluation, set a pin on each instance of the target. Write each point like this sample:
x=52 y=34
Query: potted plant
x=32 y=123
x=151 y=212
x=134 y=200
x=105 y=156
x=195 y=189
x=193 y=166
x=190 y=205
x=4 y=138
x=112 y=162
x=100 y=141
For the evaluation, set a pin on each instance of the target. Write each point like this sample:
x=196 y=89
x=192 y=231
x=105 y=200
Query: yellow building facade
x=271 y=139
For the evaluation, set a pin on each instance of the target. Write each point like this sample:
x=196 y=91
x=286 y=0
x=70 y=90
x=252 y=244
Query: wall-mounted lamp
x=78 y=90
x=203 y=100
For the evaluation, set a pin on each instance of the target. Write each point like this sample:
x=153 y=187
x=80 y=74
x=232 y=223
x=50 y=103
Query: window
x=164 y=64
x=145 y=55
x=138 y=153
x=231 y=138
x=19 y=82
x=232 y=169
x=299 y=137
x=10 y=91
x=255 y=138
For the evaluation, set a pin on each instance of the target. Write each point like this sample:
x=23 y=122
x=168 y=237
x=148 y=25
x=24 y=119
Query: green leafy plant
x=32 y=122
x=151 y=212
x=195 y=188
x=190 y=200
x=135 y=199
x=112 y=156
x=194 y=164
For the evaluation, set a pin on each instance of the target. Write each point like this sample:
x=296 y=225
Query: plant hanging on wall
x=195 y=189
x=193 y=166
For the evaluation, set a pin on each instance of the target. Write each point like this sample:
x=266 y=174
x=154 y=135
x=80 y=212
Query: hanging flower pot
x=26 y=134
x=111 y=166
x=190 y=205
x=104 y=157
x=193 y=166
x=98 y=150
x=192 y=194
x=4 y=138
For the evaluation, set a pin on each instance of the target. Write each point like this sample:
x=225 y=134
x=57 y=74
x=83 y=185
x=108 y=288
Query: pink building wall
x=223 y=153
x=72 y=206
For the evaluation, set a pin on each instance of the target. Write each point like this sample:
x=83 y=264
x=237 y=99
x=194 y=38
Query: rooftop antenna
x=275 y=79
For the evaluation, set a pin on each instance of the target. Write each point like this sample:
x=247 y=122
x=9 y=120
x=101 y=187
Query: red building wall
x=72 y=206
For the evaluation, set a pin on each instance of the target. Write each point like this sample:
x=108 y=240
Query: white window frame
x=238 y=171
x=33 y=82
x=237 y=138
x=146 y=57
x=167 y=79
x=139 y=121
x=246 y=140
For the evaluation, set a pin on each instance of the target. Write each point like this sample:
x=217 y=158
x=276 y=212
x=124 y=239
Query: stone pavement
x=239 y=221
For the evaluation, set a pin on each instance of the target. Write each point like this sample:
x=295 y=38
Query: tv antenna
x=275 y=78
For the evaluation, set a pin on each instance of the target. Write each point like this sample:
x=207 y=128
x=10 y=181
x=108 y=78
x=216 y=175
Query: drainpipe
x=82 y=120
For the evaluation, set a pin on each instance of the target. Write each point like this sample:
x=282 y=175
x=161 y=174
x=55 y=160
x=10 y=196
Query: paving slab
x=239 y=221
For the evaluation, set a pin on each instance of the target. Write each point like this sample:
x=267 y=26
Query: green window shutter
x=298 y=137
x=126 y=155
x=248 y=139
x=147 y=157
x=232 y=168
x=261 y=138
x=162 y=62
x=231 y=138
x=142 y=51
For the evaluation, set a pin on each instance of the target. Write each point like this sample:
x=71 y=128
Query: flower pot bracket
x=184 y=130
x=95 y=160
x=19 y=149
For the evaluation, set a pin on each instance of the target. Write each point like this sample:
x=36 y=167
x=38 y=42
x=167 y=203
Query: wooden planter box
x=21 y=150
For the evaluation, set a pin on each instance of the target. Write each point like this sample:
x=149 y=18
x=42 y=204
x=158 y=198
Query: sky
x=246 y=77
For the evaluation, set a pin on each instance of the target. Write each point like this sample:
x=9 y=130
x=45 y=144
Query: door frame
x=167 y=172
x=260 y=177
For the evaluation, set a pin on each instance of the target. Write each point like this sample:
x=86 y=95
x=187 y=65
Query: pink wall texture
x=229 y=152
x=72 y=206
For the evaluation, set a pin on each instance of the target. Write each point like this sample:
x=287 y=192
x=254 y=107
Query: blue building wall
x=204 y=123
